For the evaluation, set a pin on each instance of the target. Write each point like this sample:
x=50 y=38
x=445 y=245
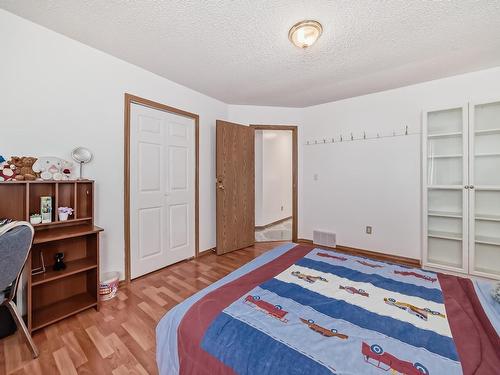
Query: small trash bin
x=108 y=287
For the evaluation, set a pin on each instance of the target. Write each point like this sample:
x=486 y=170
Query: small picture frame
x=41 y=269
x=46 y=209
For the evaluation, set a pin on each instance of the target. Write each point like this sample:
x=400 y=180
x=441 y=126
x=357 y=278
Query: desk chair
x=15 y=245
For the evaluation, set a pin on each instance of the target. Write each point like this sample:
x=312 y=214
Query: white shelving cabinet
x=461 y=189
x=484 y=176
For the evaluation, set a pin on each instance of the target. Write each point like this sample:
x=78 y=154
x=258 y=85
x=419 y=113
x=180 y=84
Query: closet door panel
x=484 y=177
x=445 y=174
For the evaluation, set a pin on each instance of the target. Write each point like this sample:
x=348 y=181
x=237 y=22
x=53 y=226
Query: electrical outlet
x=368 y=229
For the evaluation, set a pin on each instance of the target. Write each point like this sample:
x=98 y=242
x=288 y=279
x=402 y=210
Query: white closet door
x=484 y=177
x=162 y=175
x=445 y=200
x=180 y=187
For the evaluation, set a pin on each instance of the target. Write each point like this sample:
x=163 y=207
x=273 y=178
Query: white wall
x=376 y=182
x=262 y=115
x=58 y=93
x=273 y=176
x=259 y=177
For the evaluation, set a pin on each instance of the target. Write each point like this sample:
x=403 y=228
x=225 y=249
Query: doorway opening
x=275 y=183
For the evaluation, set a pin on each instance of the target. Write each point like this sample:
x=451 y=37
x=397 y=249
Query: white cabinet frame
x=461 y=187
x=468 y=189
x=472 y=191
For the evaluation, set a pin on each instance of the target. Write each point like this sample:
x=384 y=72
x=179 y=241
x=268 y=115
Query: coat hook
x=341 y=138
x=406 y=130
x=352 y=137
x=324 y=140
x=333 y=140
x=364 y=135
x=307 y=142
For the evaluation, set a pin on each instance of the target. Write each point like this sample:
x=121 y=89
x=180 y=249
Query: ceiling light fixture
x=305 y=33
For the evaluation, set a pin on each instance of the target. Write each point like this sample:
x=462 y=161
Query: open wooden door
x=235 y=187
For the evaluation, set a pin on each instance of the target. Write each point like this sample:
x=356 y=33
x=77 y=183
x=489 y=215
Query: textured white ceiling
x=238 y=50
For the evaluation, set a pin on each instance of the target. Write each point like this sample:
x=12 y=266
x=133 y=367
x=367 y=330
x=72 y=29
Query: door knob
x=471 y=186
x=466 y=186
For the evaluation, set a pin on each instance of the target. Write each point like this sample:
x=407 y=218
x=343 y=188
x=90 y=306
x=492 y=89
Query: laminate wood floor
x=120 y=338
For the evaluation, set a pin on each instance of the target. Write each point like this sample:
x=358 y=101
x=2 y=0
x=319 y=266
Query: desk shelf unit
x=55 y=295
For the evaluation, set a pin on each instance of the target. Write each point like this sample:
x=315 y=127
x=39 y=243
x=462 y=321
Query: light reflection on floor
x=278 y=232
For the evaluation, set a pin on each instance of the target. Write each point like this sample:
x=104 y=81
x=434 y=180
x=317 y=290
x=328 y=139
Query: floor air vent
x=324 y=238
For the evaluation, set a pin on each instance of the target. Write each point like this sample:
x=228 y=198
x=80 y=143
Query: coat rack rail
x=351 y=137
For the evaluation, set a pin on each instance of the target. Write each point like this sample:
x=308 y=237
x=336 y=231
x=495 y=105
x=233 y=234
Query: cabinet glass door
x=445 y=138
x=484 y=151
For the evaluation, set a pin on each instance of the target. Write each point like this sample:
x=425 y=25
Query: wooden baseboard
x=200 y=254
x=273 y=223
x=369 y=254
x=273 y=241
x=206 y=252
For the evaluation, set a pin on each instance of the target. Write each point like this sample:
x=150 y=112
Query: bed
x=302 y=310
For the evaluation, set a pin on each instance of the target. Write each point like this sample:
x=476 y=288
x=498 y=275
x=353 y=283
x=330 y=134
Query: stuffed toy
x=66 y=169
x=24 y=168
x=50 y=167
x=7 y=172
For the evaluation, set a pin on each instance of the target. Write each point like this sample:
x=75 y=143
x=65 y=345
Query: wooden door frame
x=132 y=99
x=295 y=174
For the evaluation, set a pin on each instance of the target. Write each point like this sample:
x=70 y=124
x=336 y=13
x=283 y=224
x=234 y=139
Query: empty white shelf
x=488 y=131
x=444 y=156
x=442 y=135
x=487 y=187
x=444 y=263
x=488 y=154
x=445 y=235
x=487 y=217
x=445 y=187
x=456 y=215
x=488 y=240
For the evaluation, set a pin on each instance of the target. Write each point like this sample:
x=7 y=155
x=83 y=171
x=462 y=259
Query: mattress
x=301 y=310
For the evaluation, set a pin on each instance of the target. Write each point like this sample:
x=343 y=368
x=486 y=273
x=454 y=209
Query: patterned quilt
x=313 y=311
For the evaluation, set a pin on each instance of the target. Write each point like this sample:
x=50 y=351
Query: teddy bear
x=24 y=168
x=52 y=168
